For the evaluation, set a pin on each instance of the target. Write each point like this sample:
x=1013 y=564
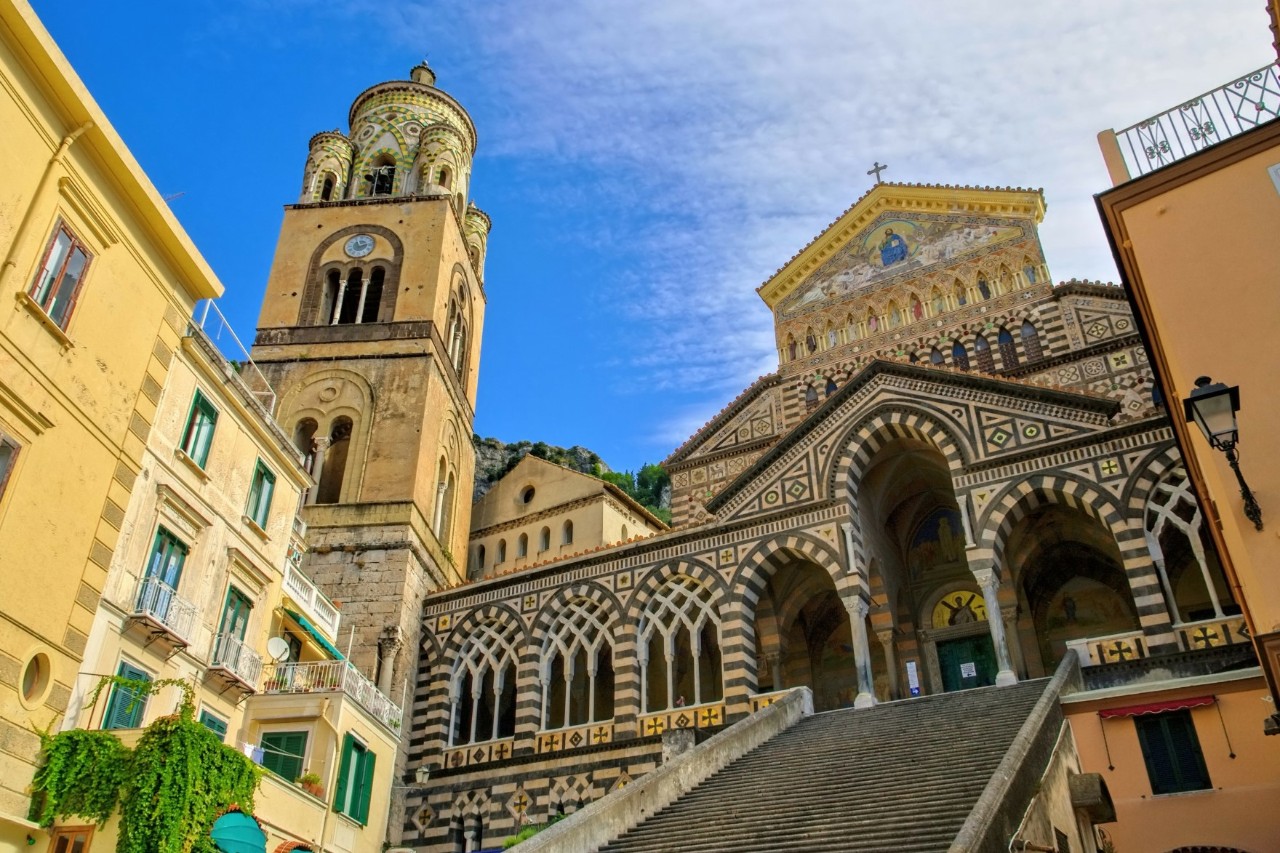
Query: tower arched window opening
x=444 y=178
x=304 y=438
x=1008 y=349
x=984 y=289
x=544 y=539
x=502 y=552
x=480 y=555
x=935 y=356
x=382 y=177
x=522 y=545
x=566 y=533
x=332 y=461
x=959 y=356
x=326 y=188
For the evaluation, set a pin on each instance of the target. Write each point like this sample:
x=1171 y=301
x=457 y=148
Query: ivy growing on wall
x=169 y=789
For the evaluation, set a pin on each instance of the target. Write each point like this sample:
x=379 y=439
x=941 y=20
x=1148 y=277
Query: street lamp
x=1213 y=407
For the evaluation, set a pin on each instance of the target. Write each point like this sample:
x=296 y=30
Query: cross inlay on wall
x=876 y=169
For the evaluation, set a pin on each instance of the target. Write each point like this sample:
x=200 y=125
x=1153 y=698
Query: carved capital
x=986 y=577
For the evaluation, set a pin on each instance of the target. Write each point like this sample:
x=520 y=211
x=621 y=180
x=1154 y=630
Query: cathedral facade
x=957 y=476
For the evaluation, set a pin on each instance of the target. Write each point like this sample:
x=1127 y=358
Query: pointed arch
x=982 y=354
x=1008 y=349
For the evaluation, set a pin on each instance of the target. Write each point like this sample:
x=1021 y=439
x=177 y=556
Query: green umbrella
x=237 y=832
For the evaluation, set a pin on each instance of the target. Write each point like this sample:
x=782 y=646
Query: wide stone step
x=903 y=776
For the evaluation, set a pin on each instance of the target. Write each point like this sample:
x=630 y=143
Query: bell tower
x=370 y=334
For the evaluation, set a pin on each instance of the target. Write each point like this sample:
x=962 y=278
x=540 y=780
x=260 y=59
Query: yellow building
x=101 y=280
x=205 y=585
x=540 y=511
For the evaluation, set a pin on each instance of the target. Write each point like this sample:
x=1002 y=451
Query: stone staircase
x=902 y=776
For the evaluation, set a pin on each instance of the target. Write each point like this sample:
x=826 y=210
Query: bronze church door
x=967 y=662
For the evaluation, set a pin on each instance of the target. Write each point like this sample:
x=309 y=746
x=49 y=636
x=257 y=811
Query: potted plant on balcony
x=312 y=784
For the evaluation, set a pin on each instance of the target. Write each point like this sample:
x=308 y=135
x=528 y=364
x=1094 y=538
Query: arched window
x=959 y=356
x=444 y=482
x=576 y=670
x=482 y=688
x=544 y=539
x=982 y=352
x=326 y=188
x=938 y=303
x=984 y=289
x=831 y=387
x=522 y=546
x=444 y=177
x=333 y=463
x=502 y=552
x=811 y=397
x=480 y=558
x=1031 y=342
x=371 y=298
x=1008 y=349
x=1189 y=571
x=624 y=533
x=382 y=177
x=566 y=533
x=935 y=356
x=679 y=647
x=304 y=438
x=347 y=301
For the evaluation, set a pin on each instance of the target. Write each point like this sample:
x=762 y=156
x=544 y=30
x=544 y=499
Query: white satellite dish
x=278 y=649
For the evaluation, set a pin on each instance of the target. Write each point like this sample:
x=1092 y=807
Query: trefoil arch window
x=482 y=687
x=679 y=647
x=576 y=668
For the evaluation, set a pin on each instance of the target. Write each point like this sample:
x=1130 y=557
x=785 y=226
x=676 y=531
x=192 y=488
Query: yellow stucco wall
x=79 y=401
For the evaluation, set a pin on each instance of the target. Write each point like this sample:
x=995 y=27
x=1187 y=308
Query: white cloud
x=740 y=129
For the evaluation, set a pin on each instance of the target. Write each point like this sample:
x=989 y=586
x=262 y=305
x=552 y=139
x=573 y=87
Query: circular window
x=35 y=678
x=527 y=494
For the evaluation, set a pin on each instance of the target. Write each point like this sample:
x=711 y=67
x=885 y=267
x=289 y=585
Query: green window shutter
x=213 y=723
x=260 y=491
x=198 y=436
x=366 y=786
x=282 y=753
x=1172 y=753
x=126 y=706
x=344 y=769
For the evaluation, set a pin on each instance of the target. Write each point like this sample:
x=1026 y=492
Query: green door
x=967 y=662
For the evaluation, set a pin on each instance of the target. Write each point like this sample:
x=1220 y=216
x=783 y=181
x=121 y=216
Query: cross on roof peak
x=876 y=169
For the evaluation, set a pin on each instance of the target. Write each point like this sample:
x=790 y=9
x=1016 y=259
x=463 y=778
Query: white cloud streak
x=740 y=129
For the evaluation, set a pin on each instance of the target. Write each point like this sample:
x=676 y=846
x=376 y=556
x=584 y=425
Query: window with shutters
x=1172 y=752
x=213 y=723
x=70 y=839
x=260 y=490
x=127 y=705
x=58 y=283
x=198 y=436
x=355 y=779
x=283 y=753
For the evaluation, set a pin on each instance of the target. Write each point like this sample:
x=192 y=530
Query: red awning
x=1157 y=707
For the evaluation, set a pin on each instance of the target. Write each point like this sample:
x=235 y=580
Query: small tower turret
x=476 y=229
x=328 y=167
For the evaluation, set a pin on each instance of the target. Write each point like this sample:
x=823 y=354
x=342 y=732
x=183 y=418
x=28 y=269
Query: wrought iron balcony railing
x=337 y=676
x=160 y=603
x=1220 y=114
x=230 y=653
x=314 y=603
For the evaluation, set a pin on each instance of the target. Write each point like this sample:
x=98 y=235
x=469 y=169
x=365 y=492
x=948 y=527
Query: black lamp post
x=1213 y=407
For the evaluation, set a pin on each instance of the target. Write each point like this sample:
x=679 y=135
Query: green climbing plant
x=169 y=789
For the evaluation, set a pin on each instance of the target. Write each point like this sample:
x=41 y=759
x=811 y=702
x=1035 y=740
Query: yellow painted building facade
x=100 y=279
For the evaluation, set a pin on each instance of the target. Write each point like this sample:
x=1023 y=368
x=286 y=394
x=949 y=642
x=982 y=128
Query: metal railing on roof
x=216 y=328
x=1220 y=114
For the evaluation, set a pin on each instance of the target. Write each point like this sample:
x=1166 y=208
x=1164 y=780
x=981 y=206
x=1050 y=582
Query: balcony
x=313 y=603
x=162 y=615
x=1177 y=133
x=1131 y=645
x=233 y=664
x=334 y=676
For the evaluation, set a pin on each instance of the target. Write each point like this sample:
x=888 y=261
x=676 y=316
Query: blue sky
x=646 y=165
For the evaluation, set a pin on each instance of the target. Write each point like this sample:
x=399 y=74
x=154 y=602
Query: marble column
x=320 y=447
x=389 y=645
x=989 y=582
x=858 y=609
